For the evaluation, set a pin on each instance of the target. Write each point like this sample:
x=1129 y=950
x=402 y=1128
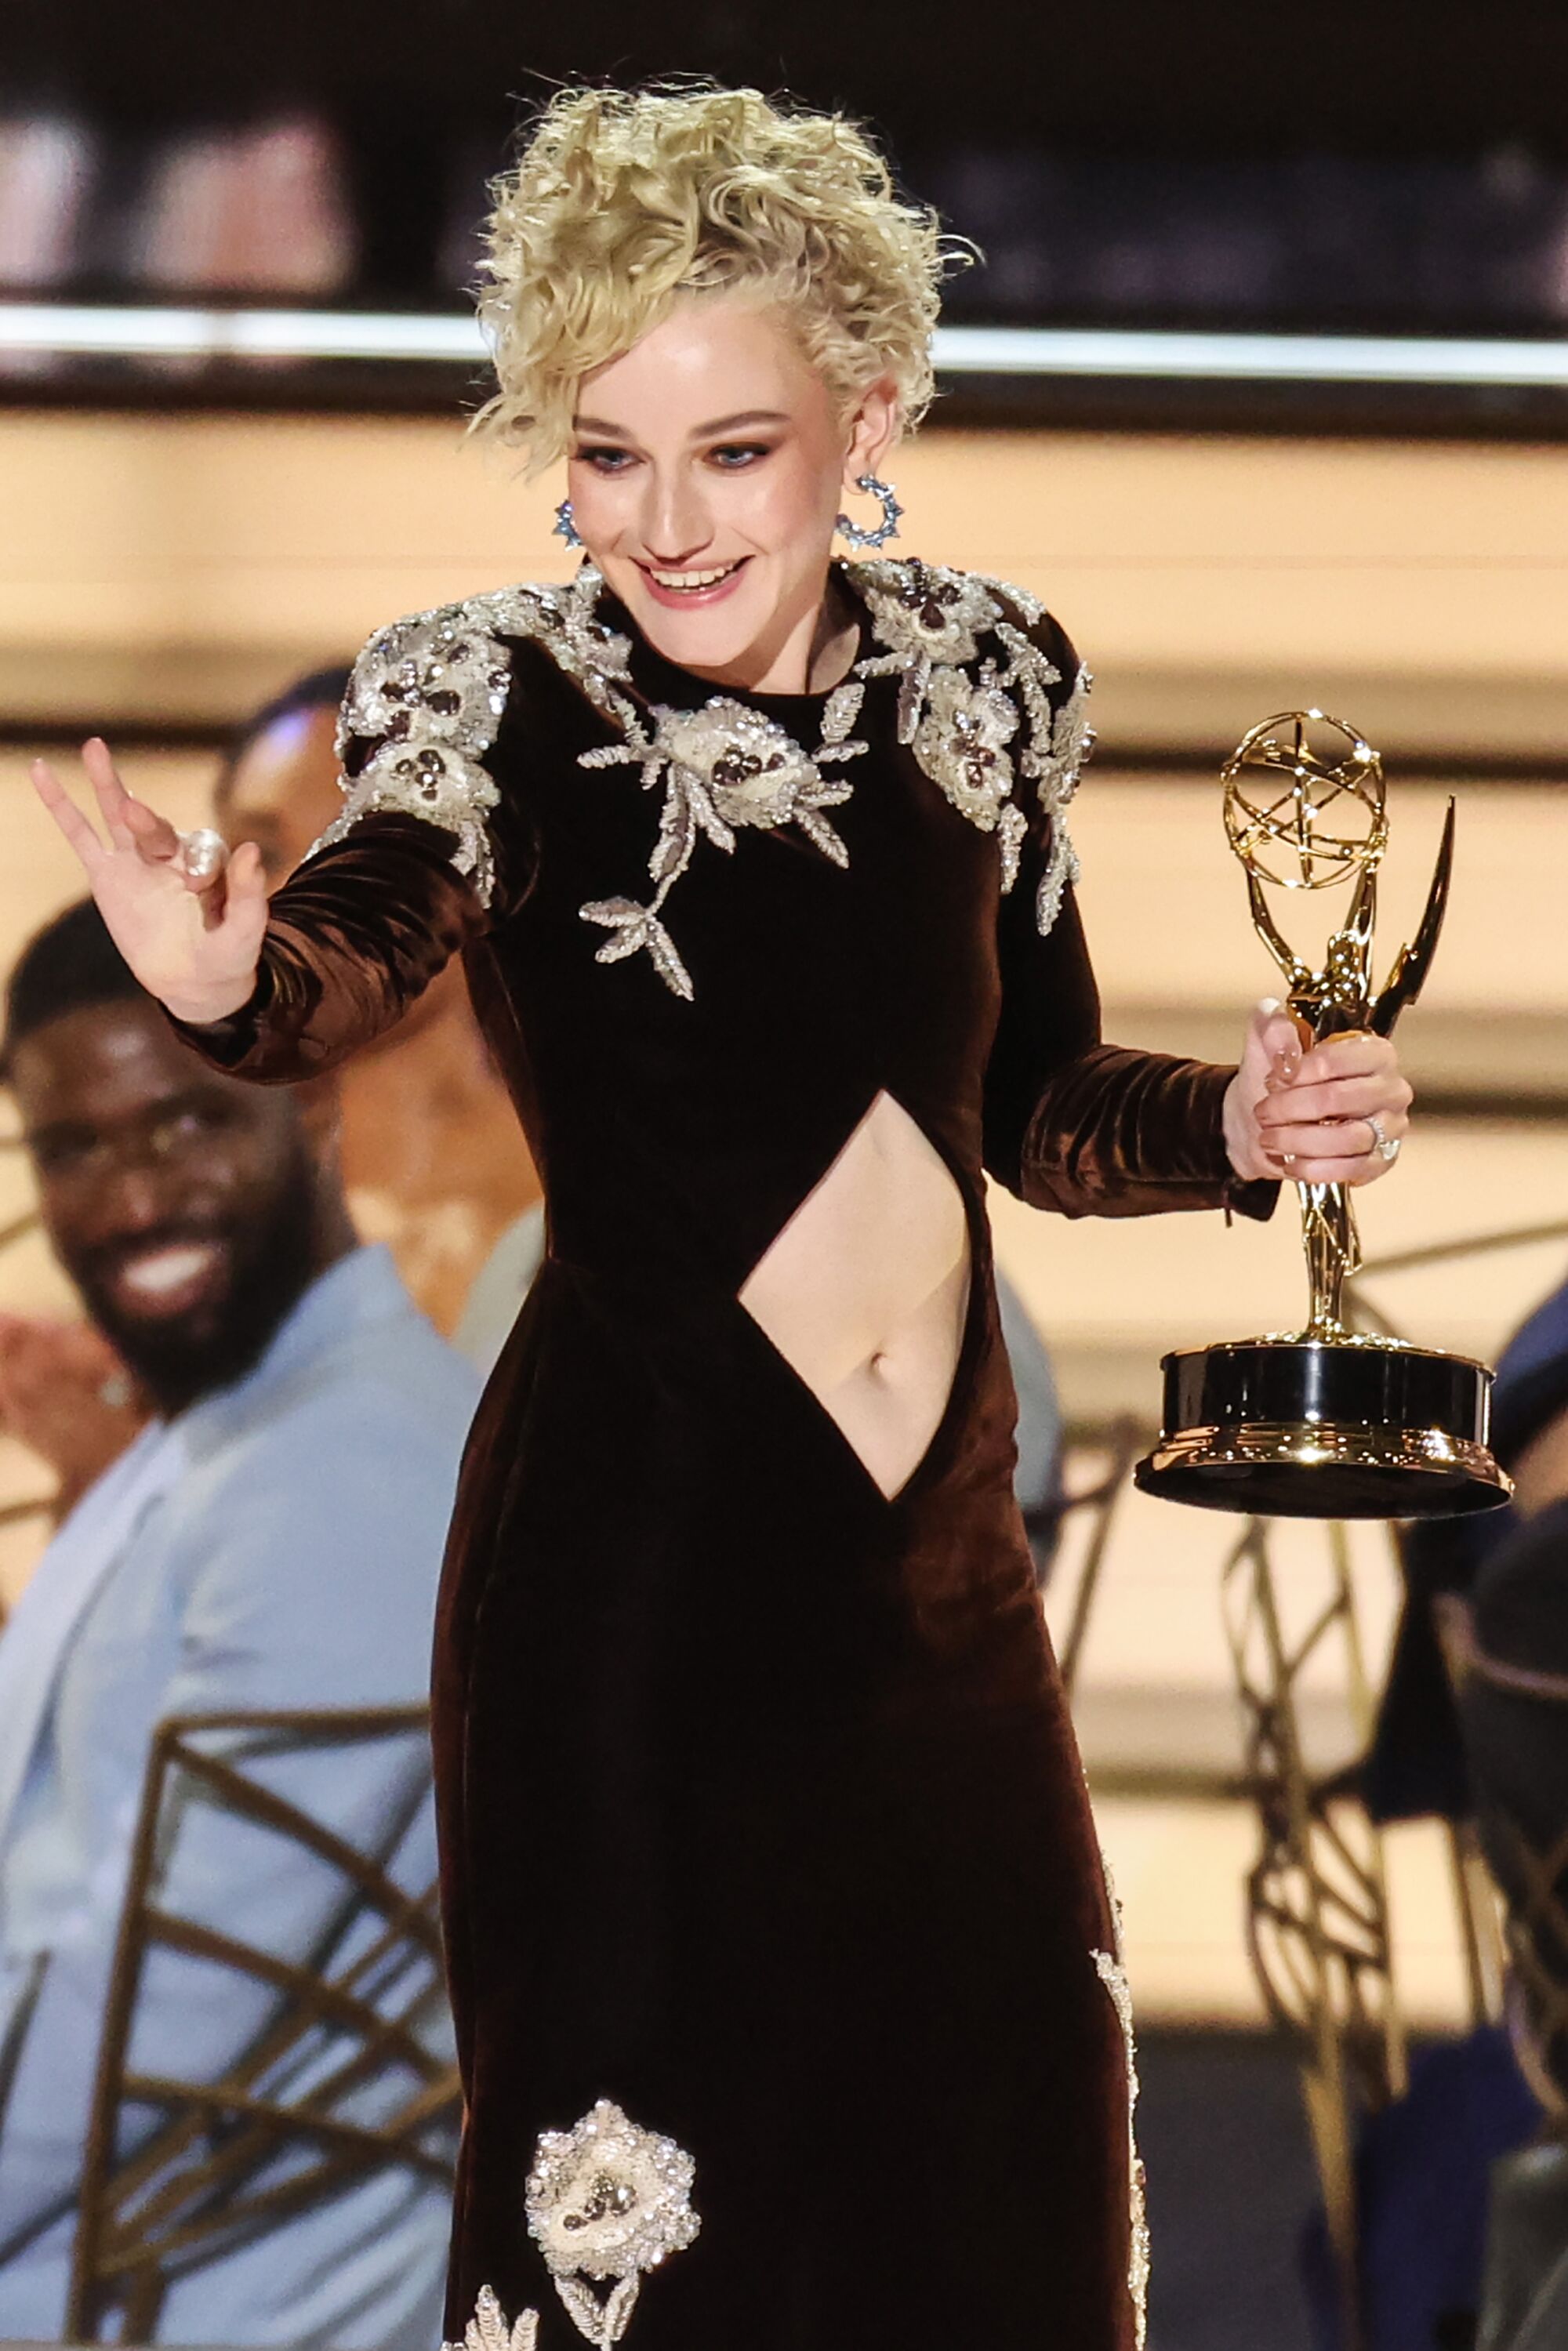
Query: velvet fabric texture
x=761 y=1811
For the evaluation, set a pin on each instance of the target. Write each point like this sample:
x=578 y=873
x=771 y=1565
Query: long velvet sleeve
x=427 y=853
x=1074 y=1124
x=353 y=938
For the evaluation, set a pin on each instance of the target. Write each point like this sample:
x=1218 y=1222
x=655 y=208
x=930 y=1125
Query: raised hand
x=1318 y=1114
x=190 y=929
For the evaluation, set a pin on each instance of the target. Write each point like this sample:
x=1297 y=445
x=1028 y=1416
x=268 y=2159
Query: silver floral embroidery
x=935 y=623
x=961 y=742
x=928 y=618
x=1111 y=1969
x=722 y=767
x=610 y=2202
x=488 y=2330
x=418 y=775
x=1062 y=761
x=430 y=691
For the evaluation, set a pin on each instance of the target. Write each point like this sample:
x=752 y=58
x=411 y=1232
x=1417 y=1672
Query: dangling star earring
x=891 y=511
x=565 y=527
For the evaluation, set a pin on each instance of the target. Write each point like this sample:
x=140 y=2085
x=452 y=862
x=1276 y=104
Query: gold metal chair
x=1117 y=1445
x=228 y=2159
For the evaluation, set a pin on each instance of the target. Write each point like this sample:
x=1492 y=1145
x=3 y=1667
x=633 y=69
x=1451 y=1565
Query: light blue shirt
x=276 y=1545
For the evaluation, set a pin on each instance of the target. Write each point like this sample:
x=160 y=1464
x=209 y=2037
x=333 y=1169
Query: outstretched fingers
x=77 y=828
x=107 y=791
x=132 y=824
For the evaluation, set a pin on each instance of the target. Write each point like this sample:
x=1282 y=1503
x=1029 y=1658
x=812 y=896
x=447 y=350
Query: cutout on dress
x=865 y=1291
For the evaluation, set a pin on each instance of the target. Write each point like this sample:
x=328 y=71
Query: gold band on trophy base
x=1326 y=1423
x=1407 y=1442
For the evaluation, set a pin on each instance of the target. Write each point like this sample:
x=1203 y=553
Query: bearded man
x=271 y=1539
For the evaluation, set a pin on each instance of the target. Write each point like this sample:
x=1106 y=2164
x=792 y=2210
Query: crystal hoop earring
x=891 y=511
x=565 y=527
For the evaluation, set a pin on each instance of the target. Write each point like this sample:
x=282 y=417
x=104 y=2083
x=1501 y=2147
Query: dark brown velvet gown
x=762 y=1812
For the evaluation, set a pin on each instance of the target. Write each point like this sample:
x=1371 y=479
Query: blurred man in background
x=271 y=1540
x=429 y=1149
x=433 y=1157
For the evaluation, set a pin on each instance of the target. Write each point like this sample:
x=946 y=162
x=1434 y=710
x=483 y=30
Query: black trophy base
x=1350 y=1427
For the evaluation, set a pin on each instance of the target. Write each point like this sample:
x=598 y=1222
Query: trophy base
x=1351 y=1428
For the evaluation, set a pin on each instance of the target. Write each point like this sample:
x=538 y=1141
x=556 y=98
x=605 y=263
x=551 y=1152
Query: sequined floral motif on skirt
x=608 y=2202
x=488 y=2330
x=1110 y=1968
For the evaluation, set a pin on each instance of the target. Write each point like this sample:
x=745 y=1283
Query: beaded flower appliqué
x=430 y=691
x=607 y=2201
x=974 y=706
x=722 y=767
x=488 y=2330
x=955 y=701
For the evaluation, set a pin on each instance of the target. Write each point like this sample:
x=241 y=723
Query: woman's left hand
x=1306 y=1114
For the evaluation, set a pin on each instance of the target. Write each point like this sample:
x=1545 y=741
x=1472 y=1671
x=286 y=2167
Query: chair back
x=339 y=2064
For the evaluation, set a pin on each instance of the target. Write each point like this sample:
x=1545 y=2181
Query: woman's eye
x=605 y=461
x=733 y=455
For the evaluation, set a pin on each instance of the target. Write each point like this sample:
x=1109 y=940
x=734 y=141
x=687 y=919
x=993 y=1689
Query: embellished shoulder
x=991 y=694
x=991 y=700
x=427 y=696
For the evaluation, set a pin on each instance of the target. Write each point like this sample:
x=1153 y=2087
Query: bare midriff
x=865 y=1291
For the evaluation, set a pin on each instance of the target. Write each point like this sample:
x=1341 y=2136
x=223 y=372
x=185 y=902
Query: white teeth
x=164 y=1269
x=693 y=579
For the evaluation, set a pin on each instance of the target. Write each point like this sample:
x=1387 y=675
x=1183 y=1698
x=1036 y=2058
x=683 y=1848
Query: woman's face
x=706 y=468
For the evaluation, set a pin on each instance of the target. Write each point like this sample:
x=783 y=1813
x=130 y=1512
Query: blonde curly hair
x=624 y=201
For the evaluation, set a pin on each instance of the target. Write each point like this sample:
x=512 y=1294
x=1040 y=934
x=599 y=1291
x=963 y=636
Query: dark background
x=1382 y=166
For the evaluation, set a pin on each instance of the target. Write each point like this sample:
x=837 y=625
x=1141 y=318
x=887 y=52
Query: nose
x=139 y=1195
x=676 y=524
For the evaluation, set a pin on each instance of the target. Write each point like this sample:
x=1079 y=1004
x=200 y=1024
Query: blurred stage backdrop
x=1262 y=385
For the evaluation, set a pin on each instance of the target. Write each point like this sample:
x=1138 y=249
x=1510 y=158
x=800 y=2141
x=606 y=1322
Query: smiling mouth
x=168 y=1279
x=693 y=586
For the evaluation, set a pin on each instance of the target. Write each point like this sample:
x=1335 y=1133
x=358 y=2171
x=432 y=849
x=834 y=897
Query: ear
x=873 y=429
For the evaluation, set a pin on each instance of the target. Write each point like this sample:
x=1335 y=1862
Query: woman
x=765 y=1841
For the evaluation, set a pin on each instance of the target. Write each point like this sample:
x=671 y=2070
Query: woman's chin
x=712 y=637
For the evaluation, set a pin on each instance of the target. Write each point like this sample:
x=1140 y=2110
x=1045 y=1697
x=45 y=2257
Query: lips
x=700 y=585
x=168 y=1279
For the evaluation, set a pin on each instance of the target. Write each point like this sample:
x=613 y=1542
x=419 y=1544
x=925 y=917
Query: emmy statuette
x=1326 y=1423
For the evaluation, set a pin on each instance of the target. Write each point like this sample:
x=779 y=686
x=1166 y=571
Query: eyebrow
x=699 y=433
